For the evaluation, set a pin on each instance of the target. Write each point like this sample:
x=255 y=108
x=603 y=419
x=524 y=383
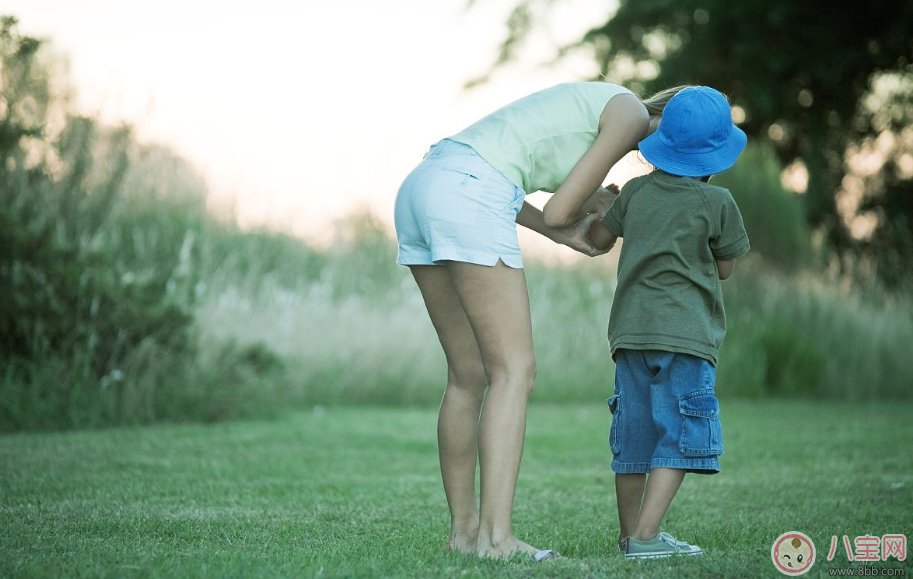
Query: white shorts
x=456 y=207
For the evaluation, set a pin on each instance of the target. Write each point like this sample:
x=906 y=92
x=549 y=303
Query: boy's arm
x=600 y=236
x=732 y=241
x=724 y=267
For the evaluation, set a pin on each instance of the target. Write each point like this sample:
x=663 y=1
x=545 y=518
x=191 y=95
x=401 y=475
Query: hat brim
x=697 y=164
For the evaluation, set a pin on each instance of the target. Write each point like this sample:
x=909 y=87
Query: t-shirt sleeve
x=614 y=219
x=732 y=242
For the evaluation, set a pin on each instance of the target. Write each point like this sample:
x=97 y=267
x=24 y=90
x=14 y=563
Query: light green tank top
x=537 y=140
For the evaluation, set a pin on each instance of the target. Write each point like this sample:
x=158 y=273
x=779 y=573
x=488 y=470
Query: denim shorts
x=665 y=413
x=455 y=206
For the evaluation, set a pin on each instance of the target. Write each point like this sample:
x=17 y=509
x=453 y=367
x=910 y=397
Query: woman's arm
x=576 y=236
x=623 y=123
x=531 y=217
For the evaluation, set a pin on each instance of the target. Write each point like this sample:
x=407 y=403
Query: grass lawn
x=355 y=492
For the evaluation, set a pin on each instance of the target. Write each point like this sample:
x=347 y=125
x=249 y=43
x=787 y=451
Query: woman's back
x=537 y=140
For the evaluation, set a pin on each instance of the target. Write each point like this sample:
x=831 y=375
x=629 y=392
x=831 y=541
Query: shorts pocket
x=467 y=175
x=455 y=195
x=702 y=433
x=614 y=442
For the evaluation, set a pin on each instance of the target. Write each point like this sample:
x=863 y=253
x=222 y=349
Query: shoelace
x=673 y=542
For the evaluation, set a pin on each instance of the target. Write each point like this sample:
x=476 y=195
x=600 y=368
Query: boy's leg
x=662 y=485
x=633 y=437
x=683 y=385
x=629 y=492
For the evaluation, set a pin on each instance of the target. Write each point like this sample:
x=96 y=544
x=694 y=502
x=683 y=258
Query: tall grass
x=805 y=336
x=356 y=336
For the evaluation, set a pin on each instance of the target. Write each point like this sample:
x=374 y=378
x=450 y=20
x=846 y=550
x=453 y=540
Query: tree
x=801 y=73
x=76 y=303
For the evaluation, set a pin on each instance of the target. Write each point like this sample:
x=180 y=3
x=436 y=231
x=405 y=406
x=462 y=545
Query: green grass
x=355 y=492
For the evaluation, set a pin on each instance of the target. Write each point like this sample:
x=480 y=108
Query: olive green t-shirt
x=668 y=295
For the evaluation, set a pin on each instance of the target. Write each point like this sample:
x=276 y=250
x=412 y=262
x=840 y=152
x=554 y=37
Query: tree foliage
x=96 y=314
x=66 y=292
x=804 y=74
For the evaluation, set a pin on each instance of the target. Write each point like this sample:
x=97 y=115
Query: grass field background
x=355 y=492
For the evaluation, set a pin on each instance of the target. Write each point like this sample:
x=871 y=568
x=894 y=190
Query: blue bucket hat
x=696 y=136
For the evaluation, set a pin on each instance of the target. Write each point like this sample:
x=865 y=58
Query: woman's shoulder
x=623 y=108
x=594 y=87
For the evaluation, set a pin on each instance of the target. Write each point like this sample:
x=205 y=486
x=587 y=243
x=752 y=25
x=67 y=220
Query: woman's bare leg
x=496 y=303
x=458 y=419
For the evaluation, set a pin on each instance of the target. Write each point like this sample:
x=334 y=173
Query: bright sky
x=299 y=112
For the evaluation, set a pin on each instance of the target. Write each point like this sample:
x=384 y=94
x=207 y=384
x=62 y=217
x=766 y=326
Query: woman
x=456 y=217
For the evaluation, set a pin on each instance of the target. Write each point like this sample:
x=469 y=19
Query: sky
x=298 y=114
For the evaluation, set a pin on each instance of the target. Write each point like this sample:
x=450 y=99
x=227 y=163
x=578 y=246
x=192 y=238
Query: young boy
x=682 y=237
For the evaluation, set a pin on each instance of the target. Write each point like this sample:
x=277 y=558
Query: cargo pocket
x=702 y=433
x=614 y=442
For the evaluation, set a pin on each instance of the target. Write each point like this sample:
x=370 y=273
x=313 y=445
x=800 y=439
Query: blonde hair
x=657 y=101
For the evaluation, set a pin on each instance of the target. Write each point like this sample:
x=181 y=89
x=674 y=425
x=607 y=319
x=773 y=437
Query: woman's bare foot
x=463 y=544
x=504 y=549
x=464 y=539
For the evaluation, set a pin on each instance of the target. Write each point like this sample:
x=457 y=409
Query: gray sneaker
x=662 y=545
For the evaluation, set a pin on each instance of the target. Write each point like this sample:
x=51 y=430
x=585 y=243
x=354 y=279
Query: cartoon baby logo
x=793 y=553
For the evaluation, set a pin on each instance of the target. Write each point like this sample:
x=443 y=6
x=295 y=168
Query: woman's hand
x=577 y=236
x=601 y=201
